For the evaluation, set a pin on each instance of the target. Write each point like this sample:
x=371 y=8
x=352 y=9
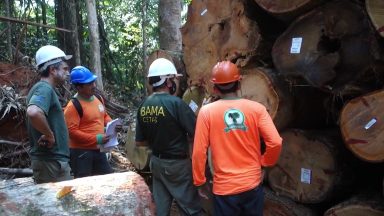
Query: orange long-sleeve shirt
x=83 y=131
x=232 y=129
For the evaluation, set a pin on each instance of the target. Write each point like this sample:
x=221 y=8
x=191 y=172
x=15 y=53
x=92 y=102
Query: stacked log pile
x=318 y=67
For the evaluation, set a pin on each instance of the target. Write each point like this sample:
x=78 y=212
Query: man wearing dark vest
x=164 y=123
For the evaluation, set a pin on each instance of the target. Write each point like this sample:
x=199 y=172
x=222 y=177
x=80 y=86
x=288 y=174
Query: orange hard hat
x=225 y=72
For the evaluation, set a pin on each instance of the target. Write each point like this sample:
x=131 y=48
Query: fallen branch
x=33 y=23
x=11 y=142
x=16 y=171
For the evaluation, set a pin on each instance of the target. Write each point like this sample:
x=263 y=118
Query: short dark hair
x=227 y=87
x=45 y=73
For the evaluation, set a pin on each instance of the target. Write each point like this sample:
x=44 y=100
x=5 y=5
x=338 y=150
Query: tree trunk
x=9 y=31
x=286 y=10
x=278 y=205
x=216 y=32
x=360 y=125
x=72 y=25
x=312 y=168
x=144 y=35
x=169 y=24
x=95 y=63
x=369 y=205
x=375 y=9
x=266 y=87
x=112 y=194
x=329 y=47
x=44 y=17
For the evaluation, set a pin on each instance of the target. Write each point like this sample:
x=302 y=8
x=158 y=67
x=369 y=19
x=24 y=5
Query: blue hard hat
x=82 y=75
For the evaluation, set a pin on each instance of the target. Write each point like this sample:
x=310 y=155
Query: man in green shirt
x=48 y=134
x=164 y=123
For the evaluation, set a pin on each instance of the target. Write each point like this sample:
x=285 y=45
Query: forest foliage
x=122 y=27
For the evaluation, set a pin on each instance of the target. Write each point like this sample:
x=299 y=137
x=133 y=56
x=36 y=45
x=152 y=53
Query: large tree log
x=375 y=9
x=361 y=126
x=114 y=194
x=282 y=206
x=369 y=205
x=287 y=10
x=329 y=47
x=311 y=168
x=215 y=32
x=266 y=87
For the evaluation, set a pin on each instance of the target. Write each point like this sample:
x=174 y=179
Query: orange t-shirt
x=83 y=131
x=232 y=129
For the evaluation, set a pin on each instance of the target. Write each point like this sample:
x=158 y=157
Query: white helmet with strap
x=164 y=68
x=48 y=55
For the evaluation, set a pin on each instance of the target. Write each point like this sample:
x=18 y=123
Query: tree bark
x=169 y=24
x=287 y=10
x=112 y=194
x=216 y=32
x=9 y=31
x=95 y=63
x=358 y=205
x=72 y=24
x=360 y=125
x=329 y=47
x=278 y=205
x=266 y=87
x=312 y=168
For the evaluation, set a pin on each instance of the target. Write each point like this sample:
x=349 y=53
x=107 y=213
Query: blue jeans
x=86 y=162
x=246 y=203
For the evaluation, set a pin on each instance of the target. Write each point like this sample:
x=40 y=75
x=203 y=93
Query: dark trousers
x=86 y=162
x=172 y=179
x=247 y=203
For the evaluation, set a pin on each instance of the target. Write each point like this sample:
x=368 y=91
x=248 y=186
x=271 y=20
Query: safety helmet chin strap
x=159 y=83
x=162 y=80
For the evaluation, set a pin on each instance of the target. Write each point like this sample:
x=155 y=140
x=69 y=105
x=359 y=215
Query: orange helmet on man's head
x=225 y=72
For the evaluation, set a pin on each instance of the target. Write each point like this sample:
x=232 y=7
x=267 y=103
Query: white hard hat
x=48 y=55
x=164 y=68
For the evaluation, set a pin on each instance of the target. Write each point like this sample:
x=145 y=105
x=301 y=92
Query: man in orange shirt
x=232 y=128
x=86 y=132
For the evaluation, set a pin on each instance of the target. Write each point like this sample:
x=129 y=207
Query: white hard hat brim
x=67 y=57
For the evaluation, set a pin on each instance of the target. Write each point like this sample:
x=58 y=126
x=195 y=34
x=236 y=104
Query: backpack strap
x=101 y=99
x=78 y=107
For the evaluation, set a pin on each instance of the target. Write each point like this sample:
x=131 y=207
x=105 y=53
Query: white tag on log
x=203 y=12
x=296 y=45
x=370 y=123
x=193 y=105
x=306 y=175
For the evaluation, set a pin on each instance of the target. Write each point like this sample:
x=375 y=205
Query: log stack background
x=318 y=67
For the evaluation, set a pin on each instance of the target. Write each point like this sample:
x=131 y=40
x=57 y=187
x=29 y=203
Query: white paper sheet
x=110 y=131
